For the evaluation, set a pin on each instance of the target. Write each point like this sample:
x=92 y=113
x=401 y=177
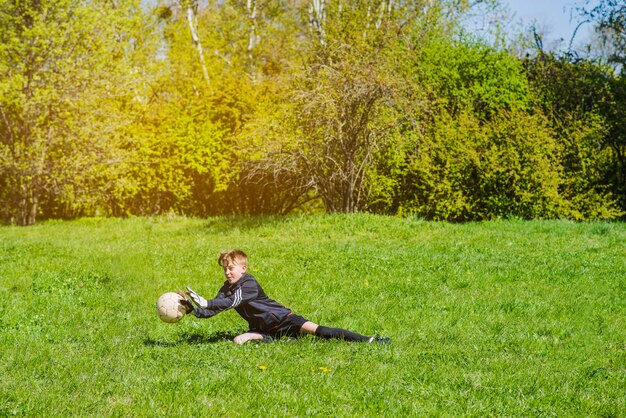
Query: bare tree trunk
x=32 y=209
x=192 y=20
x=28 y=205
x=317 y=19
x=253 y=38
x=22 y=218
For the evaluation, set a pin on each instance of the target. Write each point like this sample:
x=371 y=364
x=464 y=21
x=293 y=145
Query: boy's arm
x=205 y=312
x=246 y=292
x=198 y=311
x=201 y=310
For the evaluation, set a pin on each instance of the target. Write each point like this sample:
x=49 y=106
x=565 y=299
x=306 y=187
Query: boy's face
x=233 y=272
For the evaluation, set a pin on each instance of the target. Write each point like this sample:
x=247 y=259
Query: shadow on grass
x=243 y=223
x=192 y=339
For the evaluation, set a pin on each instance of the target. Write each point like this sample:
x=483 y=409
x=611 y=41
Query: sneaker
x=380 y=340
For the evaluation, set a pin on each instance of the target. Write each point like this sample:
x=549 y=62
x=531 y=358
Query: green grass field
x=504 y=318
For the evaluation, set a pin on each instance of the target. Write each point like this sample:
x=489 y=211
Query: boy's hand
x=185 y=302
x=197 y=299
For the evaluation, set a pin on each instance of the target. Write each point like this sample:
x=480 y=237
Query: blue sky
x=555 y=18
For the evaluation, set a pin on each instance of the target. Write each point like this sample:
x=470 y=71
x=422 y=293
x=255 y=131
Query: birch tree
x=346 y=95
x=191 y=12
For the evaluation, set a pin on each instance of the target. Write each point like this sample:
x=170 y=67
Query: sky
x=554 y=18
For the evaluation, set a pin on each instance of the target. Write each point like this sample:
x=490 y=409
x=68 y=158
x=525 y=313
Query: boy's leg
x=248 y=336
x=326 y=332
x=308 y=328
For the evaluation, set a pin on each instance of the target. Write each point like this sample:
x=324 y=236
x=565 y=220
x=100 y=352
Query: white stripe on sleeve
x=237 y=300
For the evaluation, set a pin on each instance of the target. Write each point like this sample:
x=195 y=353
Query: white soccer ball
x=169 y=308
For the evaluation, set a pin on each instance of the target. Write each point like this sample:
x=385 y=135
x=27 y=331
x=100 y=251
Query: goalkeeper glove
x=196 y=298
x=185 y=302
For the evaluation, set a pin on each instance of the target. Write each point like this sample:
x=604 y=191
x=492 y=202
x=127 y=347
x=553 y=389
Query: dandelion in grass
x=326 y=369
x=262 y=367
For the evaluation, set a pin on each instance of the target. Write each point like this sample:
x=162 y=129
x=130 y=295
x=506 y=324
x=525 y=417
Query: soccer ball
x=169 y=308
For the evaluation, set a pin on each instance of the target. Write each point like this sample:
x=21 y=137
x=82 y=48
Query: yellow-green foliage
x=466 y=170
x=259 y=107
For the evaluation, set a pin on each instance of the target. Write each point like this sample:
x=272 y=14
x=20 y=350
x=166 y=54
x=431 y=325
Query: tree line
x=263 y=107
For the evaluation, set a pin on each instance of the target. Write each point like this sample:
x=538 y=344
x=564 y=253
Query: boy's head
x=234 y=263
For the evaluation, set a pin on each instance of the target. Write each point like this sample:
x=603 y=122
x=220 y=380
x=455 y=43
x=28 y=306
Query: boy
x=267 y=319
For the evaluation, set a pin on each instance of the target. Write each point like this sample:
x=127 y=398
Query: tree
x=609 y=17
x=345 y=98
x=66 y=84
x=251 y=47
x=583 y=101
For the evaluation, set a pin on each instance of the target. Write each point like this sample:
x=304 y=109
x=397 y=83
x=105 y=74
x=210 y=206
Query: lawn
x=502 y=318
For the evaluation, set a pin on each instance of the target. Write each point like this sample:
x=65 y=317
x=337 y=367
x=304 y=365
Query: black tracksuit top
x=250 y=301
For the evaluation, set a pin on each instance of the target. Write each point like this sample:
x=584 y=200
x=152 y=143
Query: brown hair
x=236 y=257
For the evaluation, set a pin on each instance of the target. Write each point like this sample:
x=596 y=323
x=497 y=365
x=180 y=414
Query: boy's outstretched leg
x=327 y=332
